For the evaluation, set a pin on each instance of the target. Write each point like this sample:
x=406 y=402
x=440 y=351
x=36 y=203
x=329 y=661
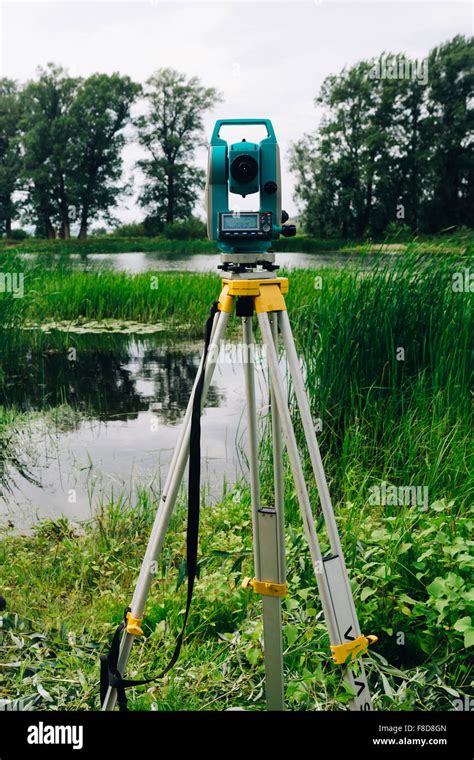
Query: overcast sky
x=268 y=59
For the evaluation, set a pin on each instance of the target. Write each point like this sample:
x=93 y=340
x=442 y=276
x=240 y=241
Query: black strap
x=109 y=673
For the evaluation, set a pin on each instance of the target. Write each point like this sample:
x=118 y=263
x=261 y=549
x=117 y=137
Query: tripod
x=262 y=293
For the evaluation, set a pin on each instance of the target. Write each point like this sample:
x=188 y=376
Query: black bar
x=342 y=734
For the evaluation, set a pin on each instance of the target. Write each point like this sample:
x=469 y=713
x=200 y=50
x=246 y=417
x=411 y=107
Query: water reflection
x=105 y=376
x=104 y=419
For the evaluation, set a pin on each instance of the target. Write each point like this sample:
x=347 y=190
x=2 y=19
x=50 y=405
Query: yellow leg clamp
x=133 y=625
x=352 y=649
x=266 y=588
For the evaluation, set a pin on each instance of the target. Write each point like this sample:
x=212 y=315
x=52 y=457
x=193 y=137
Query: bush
x=398 y=231
x=134 y=229
x=190 y=229
x=153 y=226
x=19 y=234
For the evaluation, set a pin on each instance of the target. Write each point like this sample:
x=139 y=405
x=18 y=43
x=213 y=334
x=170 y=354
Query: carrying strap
x=109 y=673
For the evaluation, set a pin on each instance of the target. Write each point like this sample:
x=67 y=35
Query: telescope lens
x=244 y=169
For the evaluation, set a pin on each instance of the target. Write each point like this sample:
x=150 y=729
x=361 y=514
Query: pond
x=160 y=261
x=105 y=422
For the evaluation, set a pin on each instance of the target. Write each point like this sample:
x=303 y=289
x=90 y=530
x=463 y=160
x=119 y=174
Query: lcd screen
x=242 y=222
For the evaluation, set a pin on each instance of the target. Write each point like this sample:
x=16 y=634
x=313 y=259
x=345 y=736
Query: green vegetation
x=69 y=588
x=170 y=132
x=400 y=419
x=63 y=293
x=71 y=135
x=393 y=146
x=108 y=244
x=14 y=445
x=61 y=147
x=190 y=229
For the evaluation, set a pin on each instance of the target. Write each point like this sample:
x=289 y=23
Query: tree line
x=61 y=143
x=394 y=148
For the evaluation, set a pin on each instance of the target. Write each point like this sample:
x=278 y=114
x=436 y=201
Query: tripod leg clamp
x=133 y=625
x=266 y=588
x=352 y=649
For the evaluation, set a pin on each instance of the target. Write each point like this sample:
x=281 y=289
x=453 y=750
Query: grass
x=15 y=427
x=108 y=244
x=112 y=244
x=67 y=589
x=403 y=418
x=382 y=414
x=60 y=292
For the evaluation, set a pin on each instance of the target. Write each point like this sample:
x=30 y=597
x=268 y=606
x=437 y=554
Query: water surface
x=107 y=422
x=159 y=261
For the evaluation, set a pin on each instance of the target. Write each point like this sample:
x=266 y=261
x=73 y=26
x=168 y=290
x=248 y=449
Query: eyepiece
x=244 y=168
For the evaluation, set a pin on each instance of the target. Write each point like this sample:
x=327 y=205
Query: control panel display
x=245 y=225
x=240 y=221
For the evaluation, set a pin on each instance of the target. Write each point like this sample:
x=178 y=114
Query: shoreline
x=459 y=244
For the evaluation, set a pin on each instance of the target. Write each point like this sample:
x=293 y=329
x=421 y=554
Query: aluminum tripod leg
x=278 y=464
x=167 y=502
x=322 y=576
x=335 y=567
x=266 y=542
x=249 y=373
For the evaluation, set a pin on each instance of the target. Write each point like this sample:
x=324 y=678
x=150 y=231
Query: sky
x=268 y=59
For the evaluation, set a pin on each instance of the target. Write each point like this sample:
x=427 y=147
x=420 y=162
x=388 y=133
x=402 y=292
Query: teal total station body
x=244 y=168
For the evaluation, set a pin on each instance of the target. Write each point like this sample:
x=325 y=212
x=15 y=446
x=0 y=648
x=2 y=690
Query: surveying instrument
x=250 y=287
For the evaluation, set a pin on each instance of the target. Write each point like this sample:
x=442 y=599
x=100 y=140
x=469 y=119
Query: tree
x=10 y=153
x=47 y=131
x=73 y=139
x=450 y=125
x=391 y=148
x=99 y=113
x=347 y=164
x=402 y=168
x=170 y=132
